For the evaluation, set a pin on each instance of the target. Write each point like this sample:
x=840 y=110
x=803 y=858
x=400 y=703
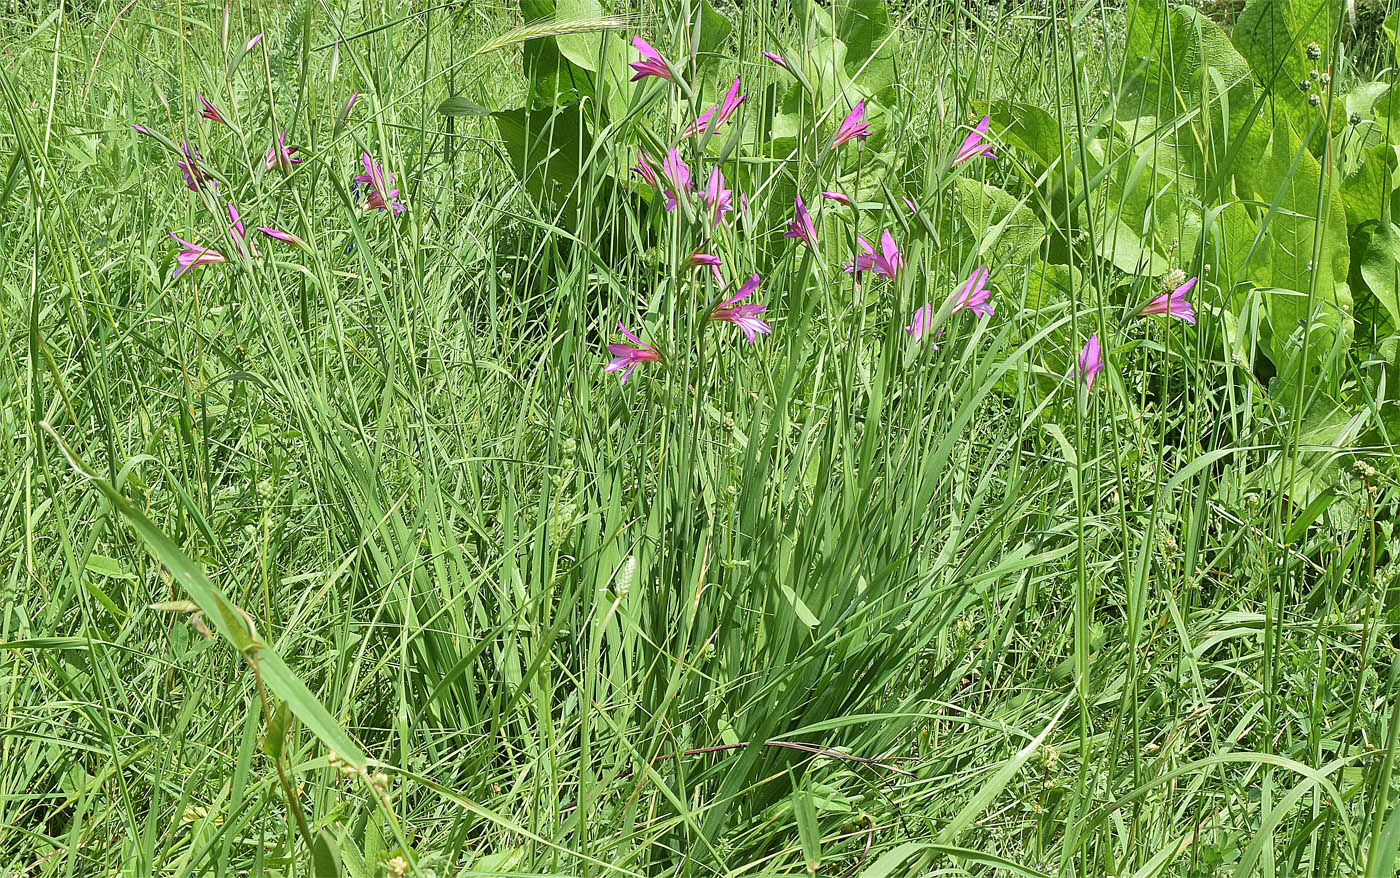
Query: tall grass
x=832 y=604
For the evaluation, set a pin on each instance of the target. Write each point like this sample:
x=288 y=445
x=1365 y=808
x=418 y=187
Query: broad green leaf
x=108 y=567
x=864 y=27
x=1004 y=231
x=714 y=30
x=1379 y=244
x=545 y=147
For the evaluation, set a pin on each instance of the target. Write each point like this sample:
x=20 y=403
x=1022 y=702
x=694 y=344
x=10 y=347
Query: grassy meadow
x=342 y=549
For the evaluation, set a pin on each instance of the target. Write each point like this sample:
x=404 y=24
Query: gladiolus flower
x=142 y=129
x=972 y=146
x=837 y=197
x=709 y=122
x=237 y=234
x=973 y=295
x=193 y=256
x=1173 y=303
x=626 y=357
x=643 y=168
x=211 y=112
x=285 y=238
x=652 y=64
x=349 y=105
x=743 y=316
x=717 y=197
x=802 y=227
x=195 y=177
x=852 y=127
x=677 y=174
x=379 y=182
x=280 y=155
x=777 y=59
x=909 y=203
x=886 y=262
x=1090 y=361
x=923 y=319
x=251 y=43
x=713 y=262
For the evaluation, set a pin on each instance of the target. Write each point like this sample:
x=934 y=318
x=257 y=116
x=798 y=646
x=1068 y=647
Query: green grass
x=834 y=602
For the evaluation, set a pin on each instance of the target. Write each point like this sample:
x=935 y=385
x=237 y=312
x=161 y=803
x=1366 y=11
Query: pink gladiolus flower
x=643 y=168
x=802 y=227
x=1173 y=303
x=142 y=129
x=837 y=197
x=193 y=256
x=973 y=295
x=709 y=122
x=349 y=105
x=238 y=235
x=717 y=197
x=909 y=203
x=285 y=238
x=743 y=316
x=251 y=43
x=972 y=145
x=852 y=127
x=886 y=262
x=777 y=59
x=195 y=177
x=712 y=261
x=379 y=182
x=211 y=112
x=1090 y=361
x=923 y=319
x=280 y=155
x=626 y=357
x=677 y=174
x=652 y=64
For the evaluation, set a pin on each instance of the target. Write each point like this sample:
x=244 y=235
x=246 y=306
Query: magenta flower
x=193 y=256
x=777 y=59
x=285 y=238
x=379 y=182
x=211 y=112
x=713 y=262
x=802 y=227
x=238 y=235
x=923 y=319
x=142 y=129
x=1173 y=303
x=626 y=357
x=652 y=64
x=886 y=262
x=852 y=127
x=709 y=122
x=909 y=203
x=972 y=145
x=973 y=295
x=1090 y=361
x=195 y=176
x=280 y=155
x=743 y=316
x=677 y=174
x=253 y=42
x=644 y=169
x=838 y=197
x=349 y=105
x=719 y=199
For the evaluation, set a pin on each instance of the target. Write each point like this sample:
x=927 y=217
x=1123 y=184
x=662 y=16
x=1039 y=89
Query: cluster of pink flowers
x=375 y=185
x=673 y=183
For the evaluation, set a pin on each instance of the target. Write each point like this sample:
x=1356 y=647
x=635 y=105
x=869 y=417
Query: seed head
x=1314 y=51
x=1314 y=100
